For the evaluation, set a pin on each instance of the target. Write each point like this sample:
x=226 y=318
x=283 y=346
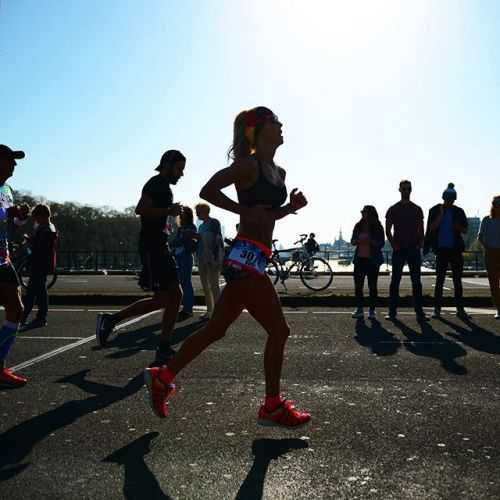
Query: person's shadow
x=131 y=342
x=139 y=483
x=379 y=340
x=431 y=344
x=474 y=336
x=264 y=451
x=17 y=442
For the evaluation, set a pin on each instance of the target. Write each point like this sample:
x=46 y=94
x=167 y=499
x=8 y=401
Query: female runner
x=261 y=190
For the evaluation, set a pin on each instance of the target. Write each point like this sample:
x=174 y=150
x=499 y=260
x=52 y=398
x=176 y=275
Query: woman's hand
x=297 y=200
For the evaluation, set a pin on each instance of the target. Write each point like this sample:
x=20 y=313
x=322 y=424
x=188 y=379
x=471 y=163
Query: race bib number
x=246 y=256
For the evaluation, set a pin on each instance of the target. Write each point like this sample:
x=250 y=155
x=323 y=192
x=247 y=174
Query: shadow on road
x=264 y=451
x=431 y=344
x=145 y=339
x=17 y=442
x=474 y=336
x=380 y=341
x=140 y=482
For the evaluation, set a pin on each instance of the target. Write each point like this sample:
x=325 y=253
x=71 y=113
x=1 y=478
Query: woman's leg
x=207 y=290
x=185 y=262
x=372 y=284
x=264 y=305
x=226 y=311
x=493 y=269
x=359 y=282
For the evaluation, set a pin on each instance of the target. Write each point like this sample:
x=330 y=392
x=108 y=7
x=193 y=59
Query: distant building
x=340 y=244
x=471 y=235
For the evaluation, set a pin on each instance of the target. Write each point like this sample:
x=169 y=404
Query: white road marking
x=48 y=338
x=470 y=282
x=78 y=343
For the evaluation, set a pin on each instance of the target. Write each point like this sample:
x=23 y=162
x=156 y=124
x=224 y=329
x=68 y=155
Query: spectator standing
x=445 y=225
x=368 y=237
x=184 y=246
x=43 y=262
x=210 y=253
x=407 y=220
x=489 y=236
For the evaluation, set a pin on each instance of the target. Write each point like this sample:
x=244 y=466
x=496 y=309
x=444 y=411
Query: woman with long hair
x=261 y=190
x=184 y=246
x=368 y=237
x=489 y=236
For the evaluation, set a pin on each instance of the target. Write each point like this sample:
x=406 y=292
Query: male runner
x=10 y=291
x=155 y=205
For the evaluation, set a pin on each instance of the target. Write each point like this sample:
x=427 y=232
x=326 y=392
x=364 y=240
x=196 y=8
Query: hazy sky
x=369 y=92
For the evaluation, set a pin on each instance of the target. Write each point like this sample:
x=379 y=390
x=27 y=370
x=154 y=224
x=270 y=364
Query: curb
x=286 y=300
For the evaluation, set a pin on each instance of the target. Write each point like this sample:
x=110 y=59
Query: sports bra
x=263 y=192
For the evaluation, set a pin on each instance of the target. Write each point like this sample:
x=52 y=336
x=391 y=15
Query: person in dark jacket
x=445 y=225
x=43 y=262
x=368 y=237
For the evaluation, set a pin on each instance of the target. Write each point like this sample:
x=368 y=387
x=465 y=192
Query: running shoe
x=183 y=316
x=497 y=315
x=104 y=328
x=285 y=415
x=372 y=315
x=437 y=313
x=422 y=317
x=159 y=393
x=390 y=316
x=462 y=314
x=10 y=379
x=164 y=353
x=358 y=313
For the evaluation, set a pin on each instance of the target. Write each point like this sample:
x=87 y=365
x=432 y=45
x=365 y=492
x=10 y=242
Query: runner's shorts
x=8 y=275
x=245 y=258
x=160 y=268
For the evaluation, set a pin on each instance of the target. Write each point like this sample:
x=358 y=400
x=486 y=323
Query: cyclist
x=311 y=245
x=261 y=190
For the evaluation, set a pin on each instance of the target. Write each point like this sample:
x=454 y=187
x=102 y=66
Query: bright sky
x=369 y=92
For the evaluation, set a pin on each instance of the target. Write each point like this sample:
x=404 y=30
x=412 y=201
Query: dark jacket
x=43 y=249
x=431 y=237
x=377 y=237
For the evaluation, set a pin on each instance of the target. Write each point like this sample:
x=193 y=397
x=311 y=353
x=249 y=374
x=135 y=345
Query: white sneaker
x=497 y=315
x=358 y=313
x=372 y=315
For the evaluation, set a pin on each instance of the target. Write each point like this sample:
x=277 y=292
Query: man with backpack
x=210 y=253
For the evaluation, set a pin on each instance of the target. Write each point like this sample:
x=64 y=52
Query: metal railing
x=130 y=261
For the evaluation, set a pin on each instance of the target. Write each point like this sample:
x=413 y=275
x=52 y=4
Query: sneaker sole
x=263 y=422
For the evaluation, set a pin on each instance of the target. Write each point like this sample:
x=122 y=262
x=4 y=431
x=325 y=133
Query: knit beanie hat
x=449 y=194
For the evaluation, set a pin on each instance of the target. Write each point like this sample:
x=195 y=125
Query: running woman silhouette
x=260 y=185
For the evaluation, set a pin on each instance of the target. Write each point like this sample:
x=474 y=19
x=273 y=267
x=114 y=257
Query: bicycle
x=314 y=272
x=21 y=260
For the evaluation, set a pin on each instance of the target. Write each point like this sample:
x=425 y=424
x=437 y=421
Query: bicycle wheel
x=272 y=271
x=316 y=274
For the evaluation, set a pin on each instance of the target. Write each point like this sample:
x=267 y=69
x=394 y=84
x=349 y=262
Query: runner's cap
x=8 y=154
x=169 y=158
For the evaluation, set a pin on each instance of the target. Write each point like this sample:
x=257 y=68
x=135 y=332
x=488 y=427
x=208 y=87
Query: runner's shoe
x=104 y=328
x=358 y=313
x=285 y=415
x=159 y=393
x=372 y=315
x=10 y=379
x=391 y=316
x=462 y=314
